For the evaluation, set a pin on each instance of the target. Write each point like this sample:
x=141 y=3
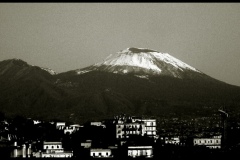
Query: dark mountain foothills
x=33 y=92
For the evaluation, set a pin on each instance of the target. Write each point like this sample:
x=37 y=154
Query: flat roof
x=140 y=147
x=52 y=142
x=100 y=149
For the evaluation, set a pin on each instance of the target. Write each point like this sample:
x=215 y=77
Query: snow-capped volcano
x=141 y=61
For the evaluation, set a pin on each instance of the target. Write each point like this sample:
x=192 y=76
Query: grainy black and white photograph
x=120 y=80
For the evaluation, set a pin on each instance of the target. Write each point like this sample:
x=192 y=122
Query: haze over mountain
x=134 y=81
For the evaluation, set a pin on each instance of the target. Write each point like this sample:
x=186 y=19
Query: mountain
x=151 y=82
x=133 y=81
x=27 y=90
x=142 y=63
x=17 y=69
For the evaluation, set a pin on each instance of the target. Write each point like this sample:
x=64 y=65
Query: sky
x=69 y=36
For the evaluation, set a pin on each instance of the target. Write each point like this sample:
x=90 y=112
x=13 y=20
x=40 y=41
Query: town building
x=86 y=144
x=126 y=126
x=124 y=130
x=140 y=151
x=100 y=152
x=98 y=124
x=213 y=142
x=71 y=129
x=172 y=140
x=53 y=150
x=36 y=122
x=150 y=126
x=60 y=125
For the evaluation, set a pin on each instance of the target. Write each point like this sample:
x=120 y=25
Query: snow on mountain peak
x=134 y=60
x=129 y=58
x=173 y=61
x=145 y=58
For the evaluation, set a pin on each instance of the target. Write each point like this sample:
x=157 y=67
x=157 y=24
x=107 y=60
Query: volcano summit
x=142 y=62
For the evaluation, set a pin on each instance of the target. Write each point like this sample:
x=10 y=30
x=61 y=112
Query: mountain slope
x=153 y=96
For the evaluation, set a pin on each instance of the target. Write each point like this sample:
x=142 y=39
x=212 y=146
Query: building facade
x=86 y=144
x=150 y=127
x=99 y=152
x=213 y=142
x=126 y=126
x=172 y=140
x=60 y=125
x=140 y=151
x=53 y=150
x=124 y=130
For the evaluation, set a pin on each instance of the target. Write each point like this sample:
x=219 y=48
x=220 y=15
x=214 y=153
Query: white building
x=53 y=150
x=213 y=143
x=86 y=144
x=99 y=152
x=172 y=140
x=75 y=126
x=124 y=130
x=126 y=126
x=150 y=127
x=98 y=124
x=36 y=122
x=140 y=151
x=52 y=146
x=60 y=125
x=71 y=129
x=57 y=155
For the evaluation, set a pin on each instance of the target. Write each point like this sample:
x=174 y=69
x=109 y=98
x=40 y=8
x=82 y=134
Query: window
x=107 y=153
x=216 y=141
x=52 y=147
